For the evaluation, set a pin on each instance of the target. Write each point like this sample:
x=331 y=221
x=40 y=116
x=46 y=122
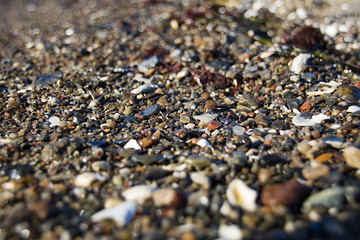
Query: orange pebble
x=305 y=107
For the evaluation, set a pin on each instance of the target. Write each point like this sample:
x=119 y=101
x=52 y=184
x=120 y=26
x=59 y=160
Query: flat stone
x=198 y=161
x=146 y=159
x=152 y=110
x=137 y=193
x=315 y=170
x=290 y=194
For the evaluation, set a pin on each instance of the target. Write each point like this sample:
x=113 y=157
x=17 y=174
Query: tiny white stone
x=238 y=130
x=92 y=104
x=353 y=109
x=206 y=118
x=53 y=101
x=239 y=194
x=54 y=121
x=230 y=232
x=301 y=13
x=144 y=88
x=298 y=64
x=85 y=179
x=203 y=143
x=189 y=126
x=132 y=144
x=122 y=214
x=137 y=193
x=303 y=122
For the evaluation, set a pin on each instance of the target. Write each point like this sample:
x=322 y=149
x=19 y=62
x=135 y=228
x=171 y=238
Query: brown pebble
x=290 y=194
x=264 y=175
x=156 y=136
x=315 y=171
x=180 y=133
x=210 y=105
x=145 y=142
x=205 y=95
x=40 y=208
x=212 y=125
x=163 y=102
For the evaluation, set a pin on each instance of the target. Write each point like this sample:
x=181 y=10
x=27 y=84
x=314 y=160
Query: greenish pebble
x=146 y=159
x=198 y=161
x=184 y=119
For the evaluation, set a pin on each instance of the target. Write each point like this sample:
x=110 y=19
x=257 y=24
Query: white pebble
x=303 y=122
x=132 y=144
x=353 y=109
x=230 y=232
x=203 y=143
x=298 y=64
x=85 y=179
x=144 y=88
x=53 y=101
x=137 y=193
x=239 y=194
x=54 y=121
x=206 y=118
x=92 y=104
x=122 y=214
x=238 y=130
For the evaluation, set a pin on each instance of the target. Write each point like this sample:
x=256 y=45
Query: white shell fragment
x=304 y=122
x=298 y=64
x=54 y=121
x=132 y=144
x=239 y=194
x=122 y=214
x=206 y=118
x=137 y=193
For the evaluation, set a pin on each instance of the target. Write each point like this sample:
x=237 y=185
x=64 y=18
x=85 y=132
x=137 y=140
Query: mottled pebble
x=315 y=170
x=122 y=214
x=240 y=195
x=238 y=130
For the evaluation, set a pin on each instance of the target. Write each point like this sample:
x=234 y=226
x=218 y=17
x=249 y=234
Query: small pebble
x=240 y=195
x=122 y=214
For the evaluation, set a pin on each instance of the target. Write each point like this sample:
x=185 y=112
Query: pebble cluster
x=160 y=119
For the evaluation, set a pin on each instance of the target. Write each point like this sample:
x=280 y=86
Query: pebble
x=349 y=93
x=334 y=141
x=48 y=79
x=353 y=109
x=132 y=144
x=41 y=209
x=299 y=63
x=240 y=195
x=54 y=121
x=200 y=178
x=213 y=125
x=165 y=197
x=198 y=161
x=315 y=171
x=121 y=214
x=85 y=179
x=238 y=130
x=138 y=194
x=145 y=88
x=184 y=119
x=230 y=232
x=303 y=122
x=206 y=118
x=149 y=63
x=152 y=110
x=330 y=197
x=352 y=156
x=290 y=194
x=146 y=159
x=203 y=143
x=100 y=165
